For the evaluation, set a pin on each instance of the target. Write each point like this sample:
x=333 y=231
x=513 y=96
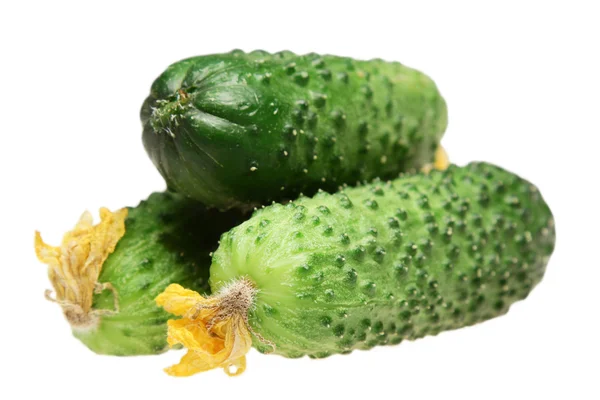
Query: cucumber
x=376 y=264
x=243 y=129
x=166 y=238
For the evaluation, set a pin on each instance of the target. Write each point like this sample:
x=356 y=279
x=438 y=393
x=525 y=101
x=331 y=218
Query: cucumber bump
x=367 y=266
x=243 y=129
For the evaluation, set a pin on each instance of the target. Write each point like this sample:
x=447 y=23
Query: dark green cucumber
x=168 y=239
x=385 y=262
x=242 y=129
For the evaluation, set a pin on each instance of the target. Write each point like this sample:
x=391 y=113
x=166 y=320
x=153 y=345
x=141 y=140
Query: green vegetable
x=384 y=262
x=167 y=239
x=243 y=129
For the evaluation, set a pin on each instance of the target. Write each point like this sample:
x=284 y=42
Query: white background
x=522 y=84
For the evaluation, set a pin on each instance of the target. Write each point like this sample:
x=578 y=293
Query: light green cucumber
x=388 y=261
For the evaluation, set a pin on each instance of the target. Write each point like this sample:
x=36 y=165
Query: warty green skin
x=384 y=262
x=243 y=129
x=168 y=239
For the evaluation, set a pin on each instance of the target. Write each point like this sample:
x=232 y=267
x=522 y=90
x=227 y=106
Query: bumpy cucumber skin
x=168 y=239
x=384 y=262
x=243 y=129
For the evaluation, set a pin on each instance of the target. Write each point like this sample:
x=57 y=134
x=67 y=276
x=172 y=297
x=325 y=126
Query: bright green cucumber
x=242 y=129
x=385 y=262
x=167 y=239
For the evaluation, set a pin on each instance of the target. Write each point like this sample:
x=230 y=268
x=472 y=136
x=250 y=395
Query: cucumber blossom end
x=220 y=335
x=74 y=267
x=107 y=276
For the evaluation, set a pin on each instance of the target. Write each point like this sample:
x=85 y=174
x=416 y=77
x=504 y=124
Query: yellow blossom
x=215 y=336
x=441 y=161
x=75 y=265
